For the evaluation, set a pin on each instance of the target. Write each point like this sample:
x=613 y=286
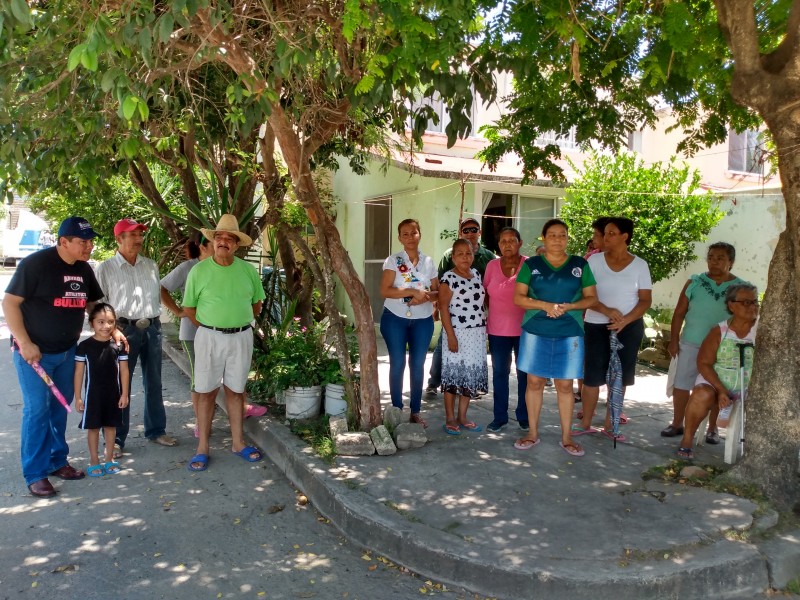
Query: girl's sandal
x=112 y=468
x=95 y=471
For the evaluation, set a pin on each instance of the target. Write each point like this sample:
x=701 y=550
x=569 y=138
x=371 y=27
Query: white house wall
x=752 y=224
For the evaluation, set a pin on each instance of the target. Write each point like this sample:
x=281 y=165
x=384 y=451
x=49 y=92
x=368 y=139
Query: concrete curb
x=723 y=569
x=718 y=569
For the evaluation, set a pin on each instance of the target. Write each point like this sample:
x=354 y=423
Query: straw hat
x=228 y=224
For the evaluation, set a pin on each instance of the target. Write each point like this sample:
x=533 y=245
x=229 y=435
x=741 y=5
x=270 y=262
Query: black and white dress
x=465 y=372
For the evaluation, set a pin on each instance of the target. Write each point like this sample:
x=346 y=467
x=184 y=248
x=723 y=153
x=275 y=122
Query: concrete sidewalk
x=473 y=511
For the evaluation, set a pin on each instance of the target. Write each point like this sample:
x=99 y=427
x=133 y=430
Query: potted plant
x=335 y=401
x=333 y=379
x=296 y=355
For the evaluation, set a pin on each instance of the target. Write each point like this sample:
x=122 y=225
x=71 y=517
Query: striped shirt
x=133 y=290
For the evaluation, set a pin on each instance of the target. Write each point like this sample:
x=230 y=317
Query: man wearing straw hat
x=223 y=295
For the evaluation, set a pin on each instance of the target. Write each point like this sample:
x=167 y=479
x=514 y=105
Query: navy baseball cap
x=76 y=227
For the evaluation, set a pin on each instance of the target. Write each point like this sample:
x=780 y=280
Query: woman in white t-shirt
x=624 y=291
x=410 y=285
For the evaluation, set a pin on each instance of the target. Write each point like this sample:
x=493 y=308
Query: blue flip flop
x=198 y=458
x=451 y=429
x=246 y=452
x=112 y=468
x=95 y=471
x=472 y=426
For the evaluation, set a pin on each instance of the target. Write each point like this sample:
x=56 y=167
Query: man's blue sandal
x=198 y=458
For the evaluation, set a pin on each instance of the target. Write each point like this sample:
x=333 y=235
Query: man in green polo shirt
x=223 y=295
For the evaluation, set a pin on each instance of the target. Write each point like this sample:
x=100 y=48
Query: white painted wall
x=753 y=222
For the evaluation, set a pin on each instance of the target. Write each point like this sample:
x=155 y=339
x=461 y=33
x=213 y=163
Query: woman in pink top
x=503 y=327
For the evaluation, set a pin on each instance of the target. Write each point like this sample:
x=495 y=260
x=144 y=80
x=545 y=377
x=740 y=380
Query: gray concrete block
x=338 y=424
x=783 y=558
x=393 y=416
x=409 y=435
x=354 y=443
x=383 y=441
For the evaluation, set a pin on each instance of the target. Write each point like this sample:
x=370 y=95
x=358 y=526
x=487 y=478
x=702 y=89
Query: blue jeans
x=500 y=347
x=435 y=374
x=145 y=343
x=44 y=446
x=416 y=334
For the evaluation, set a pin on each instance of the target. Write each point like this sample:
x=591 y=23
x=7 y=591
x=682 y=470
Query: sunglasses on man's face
x=469 y=230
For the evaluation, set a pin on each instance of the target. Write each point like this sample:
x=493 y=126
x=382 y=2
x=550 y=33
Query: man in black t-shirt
x=44 y=306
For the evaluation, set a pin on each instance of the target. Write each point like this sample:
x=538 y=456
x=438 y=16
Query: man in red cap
x=132 y=285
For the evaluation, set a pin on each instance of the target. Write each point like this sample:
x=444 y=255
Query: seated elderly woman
x=719 y=380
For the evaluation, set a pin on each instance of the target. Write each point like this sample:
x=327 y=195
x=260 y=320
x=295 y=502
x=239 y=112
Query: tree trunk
x=143 y=180
x=770 y=85
x=330 y=245
x=298 y=162
x=369 y=411
x=298 y=285
x=772 y=407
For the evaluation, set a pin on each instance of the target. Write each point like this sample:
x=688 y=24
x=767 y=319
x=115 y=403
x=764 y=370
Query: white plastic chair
x=734 y=434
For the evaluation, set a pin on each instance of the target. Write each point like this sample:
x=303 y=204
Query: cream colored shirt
x=133 y=290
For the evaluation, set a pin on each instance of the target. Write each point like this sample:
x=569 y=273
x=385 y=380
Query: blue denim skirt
x=558 y=358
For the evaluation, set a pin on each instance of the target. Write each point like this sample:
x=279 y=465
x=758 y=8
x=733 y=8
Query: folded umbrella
x=615 y=387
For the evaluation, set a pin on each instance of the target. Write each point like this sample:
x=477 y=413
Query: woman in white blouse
x=410 y=286
x=625 y=292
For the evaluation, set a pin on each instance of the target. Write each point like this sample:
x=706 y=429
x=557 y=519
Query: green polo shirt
x=482 y=258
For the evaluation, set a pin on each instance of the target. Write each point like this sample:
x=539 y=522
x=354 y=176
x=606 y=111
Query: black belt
x=227 y=329
x=142 y=323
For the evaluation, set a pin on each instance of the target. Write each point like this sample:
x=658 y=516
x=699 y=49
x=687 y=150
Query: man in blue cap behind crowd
x=44 y=306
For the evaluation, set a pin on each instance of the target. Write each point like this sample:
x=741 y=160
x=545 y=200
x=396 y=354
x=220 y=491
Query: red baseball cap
x=128 y=225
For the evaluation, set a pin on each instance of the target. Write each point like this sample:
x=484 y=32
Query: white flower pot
x=335 y=403
x=303 y=402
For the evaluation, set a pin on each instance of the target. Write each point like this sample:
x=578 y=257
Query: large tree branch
x=321 y=134
x=737 y=20
x=789 y=49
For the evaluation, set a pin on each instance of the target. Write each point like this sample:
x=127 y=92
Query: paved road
x=159 y=531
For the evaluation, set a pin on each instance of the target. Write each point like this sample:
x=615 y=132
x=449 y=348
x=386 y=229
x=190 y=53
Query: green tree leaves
x=84 y=55
x=669 y=217
x=606 y=68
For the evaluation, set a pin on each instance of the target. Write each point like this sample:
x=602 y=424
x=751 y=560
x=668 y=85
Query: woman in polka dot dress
x=464 y=369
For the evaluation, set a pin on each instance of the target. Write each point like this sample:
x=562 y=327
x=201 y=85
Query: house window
x=565 y=140
x=534 y=212
x=377 y=246
x=635 y=141
x=440 y=109
x=744 y=152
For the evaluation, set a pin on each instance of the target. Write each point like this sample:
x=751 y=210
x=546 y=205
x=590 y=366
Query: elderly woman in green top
x=720 y=382
x=701 y=305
